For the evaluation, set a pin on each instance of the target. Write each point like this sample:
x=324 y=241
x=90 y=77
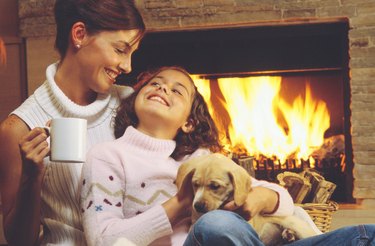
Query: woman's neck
x=67 y=79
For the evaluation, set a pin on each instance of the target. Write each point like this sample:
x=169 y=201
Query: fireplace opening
x=305 y=61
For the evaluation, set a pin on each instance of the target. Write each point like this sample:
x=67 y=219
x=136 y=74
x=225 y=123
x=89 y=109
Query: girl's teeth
x=159 y=100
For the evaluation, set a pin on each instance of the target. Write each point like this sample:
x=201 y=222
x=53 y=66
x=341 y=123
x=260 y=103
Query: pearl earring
x=78 y=46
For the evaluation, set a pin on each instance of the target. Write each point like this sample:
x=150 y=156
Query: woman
x=95 y=40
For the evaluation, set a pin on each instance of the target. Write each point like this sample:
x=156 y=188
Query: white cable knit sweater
x=60 y=213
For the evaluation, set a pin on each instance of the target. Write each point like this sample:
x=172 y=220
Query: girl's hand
x=259 y=200
x=179 y=206
x=34 y=148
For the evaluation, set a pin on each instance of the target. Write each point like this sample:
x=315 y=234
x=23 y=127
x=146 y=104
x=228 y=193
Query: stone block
x=359 y=52
x=363 y=193
x=188 y=4
x=230 y=18
x=363 y=20
x=370 y=89
x=306 y=4
x=355 y=2
x=347 y=11
x=363 y=72
x=29 y=8
x=161 y=24
x=367 y=203
x=369 y=31
x=157 y=4
x=207 y=3
x=299 y=13
x=363 y=173
x=362 y=62
x=359 y=42
x=366 y=8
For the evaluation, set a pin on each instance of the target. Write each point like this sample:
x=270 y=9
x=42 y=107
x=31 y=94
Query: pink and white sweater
x=124 y=183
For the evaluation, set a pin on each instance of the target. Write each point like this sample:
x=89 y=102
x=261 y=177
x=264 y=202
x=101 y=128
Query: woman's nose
x=125 y=65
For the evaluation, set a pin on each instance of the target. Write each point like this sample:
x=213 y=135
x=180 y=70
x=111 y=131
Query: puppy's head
x=216 y=179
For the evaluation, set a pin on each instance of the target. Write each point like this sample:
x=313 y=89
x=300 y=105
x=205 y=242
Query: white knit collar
x=53 y=100
x=143 y=142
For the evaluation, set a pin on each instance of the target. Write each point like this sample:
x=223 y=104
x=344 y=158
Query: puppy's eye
x=214 y=186
x=195 y=184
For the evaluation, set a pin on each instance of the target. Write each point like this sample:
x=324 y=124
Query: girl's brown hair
x=103 y=15
x=204 y=134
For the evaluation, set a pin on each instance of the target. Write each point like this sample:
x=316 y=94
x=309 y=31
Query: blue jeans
x=224 y=228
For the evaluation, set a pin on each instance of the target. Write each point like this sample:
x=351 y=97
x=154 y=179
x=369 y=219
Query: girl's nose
x=164 y=88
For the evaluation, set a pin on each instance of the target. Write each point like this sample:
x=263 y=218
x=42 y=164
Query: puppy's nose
x=200 y=207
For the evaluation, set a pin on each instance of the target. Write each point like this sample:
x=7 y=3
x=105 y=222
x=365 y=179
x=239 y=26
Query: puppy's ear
x=241 y=181
x=186 y=169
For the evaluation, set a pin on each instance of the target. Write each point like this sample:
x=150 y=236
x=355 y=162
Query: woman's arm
x=21 y=173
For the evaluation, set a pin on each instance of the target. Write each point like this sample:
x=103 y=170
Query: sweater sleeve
x=102 y=196
x=286 y=204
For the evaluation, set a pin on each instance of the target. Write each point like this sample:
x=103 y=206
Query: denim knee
x=221 y=227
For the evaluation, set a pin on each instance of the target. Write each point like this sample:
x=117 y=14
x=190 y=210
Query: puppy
x=216 y=180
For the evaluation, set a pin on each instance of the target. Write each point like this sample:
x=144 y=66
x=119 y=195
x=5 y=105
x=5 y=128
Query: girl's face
x=104 y=56
x=164 y=104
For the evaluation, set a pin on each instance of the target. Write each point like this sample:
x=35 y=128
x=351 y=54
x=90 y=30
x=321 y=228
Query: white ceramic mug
x=68 y=139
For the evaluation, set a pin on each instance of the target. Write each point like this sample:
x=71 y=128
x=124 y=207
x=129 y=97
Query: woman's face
x=104 y=56
x=165 y=102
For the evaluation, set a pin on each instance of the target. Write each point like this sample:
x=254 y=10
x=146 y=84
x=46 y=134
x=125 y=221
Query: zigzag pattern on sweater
x=103 y=189
x=119 y=193
x=151 y=199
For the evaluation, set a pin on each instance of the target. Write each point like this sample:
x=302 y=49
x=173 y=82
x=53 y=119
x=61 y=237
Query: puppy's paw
x=288 y=235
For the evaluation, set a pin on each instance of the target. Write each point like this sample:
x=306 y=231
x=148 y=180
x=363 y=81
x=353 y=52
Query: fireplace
x=302 y=55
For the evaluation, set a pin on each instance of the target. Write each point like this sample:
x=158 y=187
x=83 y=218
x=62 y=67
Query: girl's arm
x=102 y=195
x=21 y=173
x=265 y=198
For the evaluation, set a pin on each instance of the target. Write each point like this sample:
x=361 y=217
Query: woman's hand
x=259 y=200
x=34 y=148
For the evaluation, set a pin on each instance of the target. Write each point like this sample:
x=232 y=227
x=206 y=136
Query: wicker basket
x=321 y=213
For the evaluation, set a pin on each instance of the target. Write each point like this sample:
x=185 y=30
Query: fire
x=262 y=123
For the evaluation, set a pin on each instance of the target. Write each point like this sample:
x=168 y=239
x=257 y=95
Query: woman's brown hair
x=103 y=15
x=204 y=135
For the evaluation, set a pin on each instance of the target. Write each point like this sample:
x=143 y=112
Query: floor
x=347 y=214
x=350 y=214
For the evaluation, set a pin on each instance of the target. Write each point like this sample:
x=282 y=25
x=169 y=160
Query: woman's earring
x=78 y=46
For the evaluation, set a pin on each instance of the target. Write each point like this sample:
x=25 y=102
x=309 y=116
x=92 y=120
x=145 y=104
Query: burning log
x=333 y=146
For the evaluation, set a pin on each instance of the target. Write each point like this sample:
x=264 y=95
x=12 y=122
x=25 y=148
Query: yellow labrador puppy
x=216 y=180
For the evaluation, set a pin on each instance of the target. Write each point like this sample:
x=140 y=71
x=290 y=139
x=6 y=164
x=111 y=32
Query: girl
x=128 y=185
x=95 y=40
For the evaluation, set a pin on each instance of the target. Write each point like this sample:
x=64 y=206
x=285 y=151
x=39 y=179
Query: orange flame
x=263 y=123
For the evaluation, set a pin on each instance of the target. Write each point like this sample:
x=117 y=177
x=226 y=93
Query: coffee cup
x=68 y=139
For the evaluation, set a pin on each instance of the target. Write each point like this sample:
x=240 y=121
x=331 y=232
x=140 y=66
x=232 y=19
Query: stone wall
x=37 y=25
